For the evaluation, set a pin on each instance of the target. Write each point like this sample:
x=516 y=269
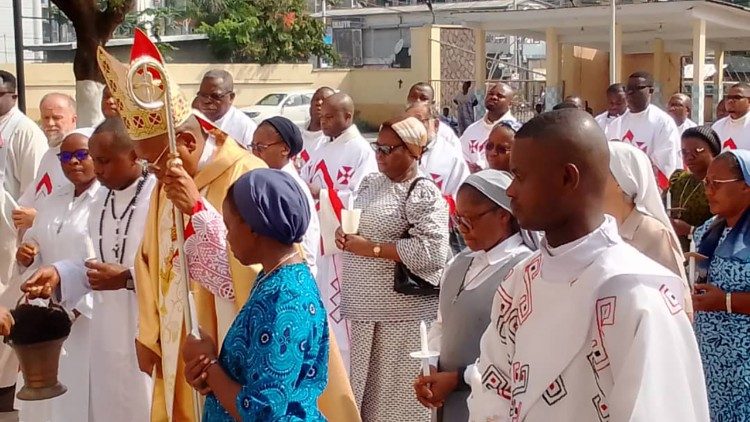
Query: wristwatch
x=129 y=281
x=376 y=250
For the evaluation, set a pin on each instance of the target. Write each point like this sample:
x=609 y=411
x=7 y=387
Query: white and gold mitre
x=148 y=84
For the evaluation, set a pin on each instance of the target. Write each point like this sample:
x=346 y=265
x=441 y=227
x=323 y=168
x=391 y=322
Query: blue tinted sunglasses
x=66 y=156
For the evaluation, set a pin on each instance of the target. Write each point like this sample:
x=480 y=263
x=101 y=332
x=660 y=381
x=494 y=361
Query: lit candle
x=424 y=354
x=669 y=203
x=193 y=316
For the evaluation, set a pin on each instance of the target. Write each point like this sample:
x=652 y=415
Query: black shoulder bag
x=404 y=281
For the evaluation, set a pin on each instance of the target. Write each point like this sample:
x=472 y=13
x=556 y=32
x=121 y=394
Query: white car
x=295 y=106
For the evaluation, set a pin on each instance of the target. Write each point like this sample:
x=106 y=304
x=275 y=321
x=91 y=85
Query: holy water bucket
x=37 y=338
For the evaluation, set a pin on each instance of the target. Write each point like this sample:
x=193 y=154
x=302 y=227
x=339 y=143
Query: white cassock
x=61 y=231
x=338 y=168
x=447 y=133
x=49 y=178
x=610 y=125
x=733 y=133
x=22 y=145
x=120 y=392
x=311 y=242
x=475 y=137
x=654 y=132
x=589 y=331
x=238 y=125
x=311 y=142
x=687 y=124
x=445 y=165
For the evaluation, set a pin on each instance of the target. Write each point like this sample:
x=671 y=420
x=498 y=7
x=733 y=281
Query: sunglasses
x=66 y=156
x=384 y=149
x=212 y=97
x=632 y=89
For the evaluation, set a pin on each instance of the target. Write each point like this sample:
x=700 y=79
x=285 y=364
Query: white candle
x=691 y=264
x=425 y=348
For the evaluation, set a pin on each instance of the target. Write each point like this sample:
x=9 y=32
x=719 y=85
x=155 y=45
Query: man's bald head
x=561 y=163
x=576 y=101
x=738 y=100
x=679 y=107
x=215 y=94
x=119 y=138
x=498 y=100
x=337 y=114
x=58 y=116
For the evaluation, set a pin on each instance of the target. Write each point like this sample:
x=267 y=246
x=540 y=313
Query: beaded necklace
x=118 y=249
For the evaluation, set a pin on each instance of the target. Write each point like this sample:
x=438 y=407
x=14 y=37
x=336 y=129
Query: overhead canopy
x=727 y=25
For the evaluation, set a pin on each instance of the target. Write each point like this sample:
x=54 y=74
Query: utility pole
x=18 y=34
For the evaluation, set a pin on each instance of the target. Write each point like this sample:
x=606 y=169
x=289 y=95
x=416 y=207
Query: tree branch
x=111 y=17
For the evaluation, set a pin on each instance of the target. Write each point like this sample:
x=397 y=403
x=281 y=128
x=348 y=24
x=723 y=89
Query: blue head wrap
x=288 y=131
x=272 y=204
x=736 y=245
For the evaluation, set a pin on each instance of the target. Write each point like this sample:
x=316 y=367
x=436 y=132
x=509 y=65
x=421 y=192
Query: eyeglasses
x=257 y=148
x=66 y=156
x=467 y=221
x=499 y=149
x=692 y=152
x=214 y=97
x=153 y=167
x=714 y=184
x=632 y=89
x=385 y=149
x=734 y=97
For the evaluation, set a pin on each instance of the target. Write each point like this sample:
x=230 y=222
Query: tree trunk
x=94 y=27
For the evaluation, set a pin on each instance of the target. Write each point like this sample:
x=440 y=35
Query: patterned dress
x=277 y=349
x=689 y=195
x=385 y=324
x=724 y=341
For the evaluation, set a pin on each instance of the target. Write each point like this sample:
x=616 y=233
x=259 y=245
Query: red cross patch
x=730 y=144
x=476 y=146
x=344 y=175
x=304 y=155
x=438 y=179
x=628 y=136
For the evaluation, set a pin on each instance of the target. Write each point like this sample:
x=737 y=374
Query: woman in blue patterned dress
x=722 y=303
x=273 y=364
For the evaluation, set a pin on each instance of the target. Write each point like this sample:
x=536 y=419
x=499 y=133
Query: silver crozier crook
x=152 y=94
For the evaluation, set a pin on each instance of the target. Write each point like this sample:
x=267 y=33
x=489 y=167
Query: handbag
x=405 y=281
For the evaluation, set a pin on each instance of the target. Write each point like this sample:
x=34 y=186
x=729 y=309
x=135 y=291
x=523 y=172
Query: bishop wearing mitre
x=211 y=162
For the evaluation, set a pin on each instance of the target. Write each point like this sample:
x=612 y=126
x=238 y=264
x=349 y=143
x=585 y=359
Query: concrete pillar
x=480 y=58
x=718 y=79
x=699 y=70
x=659 y=72
x=618 y=53
x=553 y=92
x=433 y=55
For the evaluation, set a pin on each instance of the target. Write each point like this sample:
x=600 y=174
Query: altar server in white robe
x=617 y=105
x=734 y=129
x=119 y=390
x=215 y=99
x=334 y=173
x=312 y=133
x=497 y=102
x=651 y=129
x=59 y=233
x=587 y=328
x=58 y=116
x=276 y=141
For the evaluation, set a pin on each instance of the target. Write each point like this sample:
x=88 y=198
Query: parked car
x=295 y=106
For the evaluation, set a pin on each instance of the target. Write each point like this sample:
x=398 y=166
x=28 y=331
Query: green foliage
x=266 y=31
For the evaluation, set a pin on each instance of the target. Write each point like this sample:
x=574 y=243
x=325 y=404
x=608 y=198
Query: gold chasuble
x=160 y=304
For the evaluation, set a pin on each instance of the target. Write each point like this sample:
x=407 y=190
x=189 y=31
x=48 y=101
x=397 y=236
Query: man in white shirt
x=215 y=99
x=334 y=173
x=617 y=105
x=22 y=145
x=679 y=107
x=312 y=133
x=58 y=115
x=422 y=92
x=497 y=102
x=734 y=129
x=651 y=129
x=587 y=328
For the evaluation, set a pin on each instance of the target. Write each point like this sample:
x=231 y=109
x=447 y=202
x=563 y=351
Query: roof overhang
x=727 y=26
